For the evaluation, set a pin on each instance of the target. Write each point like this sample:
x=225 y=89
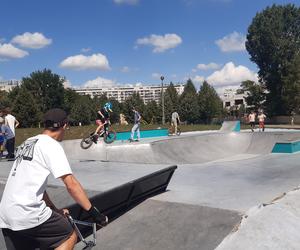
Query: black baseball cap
x=55 y=118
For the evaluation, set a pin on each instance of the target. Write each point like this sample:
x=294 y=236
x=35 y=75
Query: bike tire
x=110 y=136
x=86 y=142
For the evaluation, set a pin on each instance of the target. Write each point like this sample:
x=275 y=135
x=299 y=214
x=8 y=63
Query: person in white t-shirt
x=10 y=120
x=28 y=218
x=175 y=120
x=251 y=118
x=261 y=121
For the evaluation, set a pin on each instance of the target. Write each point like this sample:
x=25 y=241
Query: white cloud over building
x=31 y=40
x=160 y=43
x=100 y=82
x=82 y=62
x=231 y=75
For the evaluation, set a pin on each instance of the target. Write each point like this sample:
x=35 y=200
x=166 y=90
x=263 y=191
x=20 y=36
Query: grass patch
x=78 y=132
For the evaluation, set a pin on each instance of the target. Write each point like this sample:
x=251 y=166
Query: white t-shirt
x=10 y=120
x=252 y=117
x=261 y=117
x=22 y=205
x=175 y=116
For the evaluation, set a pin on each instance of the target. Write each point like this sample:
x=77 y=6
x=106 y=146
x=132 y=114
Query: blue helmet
x=108 y=106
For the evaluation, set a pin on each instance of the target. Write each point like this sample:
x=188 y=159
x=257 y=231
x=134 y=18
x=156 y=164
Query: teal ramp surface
x=231 y=126
x=144 y=134
x=286 y=147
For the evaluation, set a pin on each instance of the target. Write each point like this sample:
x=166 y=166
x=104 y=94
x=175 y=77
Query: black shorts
x=49 y=235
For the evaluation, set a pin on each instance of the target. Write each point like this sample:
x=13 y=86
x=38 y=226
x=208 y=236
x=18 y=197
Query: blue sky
x=118 y=42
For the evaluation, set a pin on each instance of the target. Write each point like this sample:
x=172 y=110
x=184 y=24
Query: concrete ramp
x=229 y=126
x=182 y=150
x=275 y=226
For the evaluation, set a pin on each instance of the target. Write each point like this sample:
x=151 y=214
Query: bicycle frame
x=88 y=244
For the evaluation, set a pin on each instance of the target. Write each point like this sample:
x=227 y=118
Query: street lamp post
x=162 y=99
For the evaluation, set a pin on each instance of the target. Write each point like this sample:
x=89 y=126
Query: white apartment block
x=9 y=85
x=121 y=93
x=231 y=99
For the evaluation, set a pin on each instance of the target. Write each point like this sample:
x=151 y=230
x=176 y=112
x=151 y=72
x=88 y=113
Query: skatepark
x=231 y=190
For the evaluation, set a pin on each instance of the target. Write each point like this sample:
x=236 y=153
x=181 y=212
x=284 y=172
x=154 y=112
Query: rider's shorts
x=49 y=235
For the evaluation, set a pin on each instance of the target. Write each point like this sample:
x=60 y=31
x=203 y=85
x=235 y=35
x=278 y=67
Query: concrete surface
x=220 y=176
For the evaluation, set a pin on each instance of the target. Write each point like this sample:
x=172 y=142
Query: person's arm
x=16 y=123
x=99 y=112
x=76 y=191
x=78 y=194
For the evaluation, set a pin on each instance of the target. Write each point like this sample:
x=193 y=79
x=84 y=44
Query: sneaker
x=130 y=140
x=136 y=140
x=95 y=138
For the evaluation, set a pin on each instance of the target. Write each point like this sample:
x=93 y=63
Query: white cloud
x=100 y=82
x=160 y=43
x=7 y=50
x=232 y=42
x=84 y=50
x=198 y=79
x=125 y=69
x=67 y=84
x=156 y=75
x=82 y=62
x=231 y=75
x=209 y=66
x=132 y=2
x=31 y=40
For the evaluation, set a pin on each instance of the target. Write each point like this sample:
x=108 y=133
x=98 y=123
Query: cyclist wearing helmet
x=102 y=118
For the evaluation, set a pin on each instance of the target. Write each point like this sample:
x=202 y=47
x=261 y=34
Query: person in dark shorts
x=28 y=217
x=102 y=119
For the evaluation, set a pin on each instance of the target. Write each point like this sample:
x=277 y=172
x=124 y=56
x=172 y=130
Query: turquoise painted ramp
x=144 y=134
x=286 y=147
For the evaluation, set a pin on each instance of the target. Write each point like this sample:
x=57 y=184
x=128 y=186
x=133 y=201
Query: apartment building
x=121 y=93
x=8 y=85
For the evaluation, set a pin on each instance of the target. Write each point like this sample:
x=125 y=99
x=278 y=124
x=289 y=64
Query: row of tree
x=44 y=90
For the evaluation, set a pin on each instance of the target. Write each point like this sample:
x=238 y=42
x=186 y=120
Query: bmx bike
x=172 y=130
x=88 y=244
x=108 y=134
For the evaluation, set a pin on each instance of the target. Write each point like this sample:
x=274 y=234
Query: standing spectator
x=9 y=139
x=1 y=141
x=175 y=120
x=136 y=126
x=252 y=117
x=10 y=120
x=261 y=121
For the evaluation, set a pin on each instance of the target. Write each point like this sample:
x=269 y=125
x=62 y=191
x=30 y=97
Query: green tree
x=188 y=102
x=4 y=100
x=26 y=109
x=210 y=104
x=70 y=97
x=291 y=87
x=152 y=113
x=133 y=101
x=82 y=111
x=46 y=88
x=254 y=94
x=171 y=101
x=273 y=42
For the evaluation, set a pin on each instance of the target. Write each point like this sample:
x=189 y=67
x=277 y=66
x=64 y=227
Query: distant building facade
x=231 y=99
x=9 y=85
x=121 y=93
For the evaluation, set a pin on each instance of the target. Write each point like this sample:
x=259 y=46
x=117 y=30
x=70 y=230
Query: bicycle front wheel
x=86 y=142
x=110 y=136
